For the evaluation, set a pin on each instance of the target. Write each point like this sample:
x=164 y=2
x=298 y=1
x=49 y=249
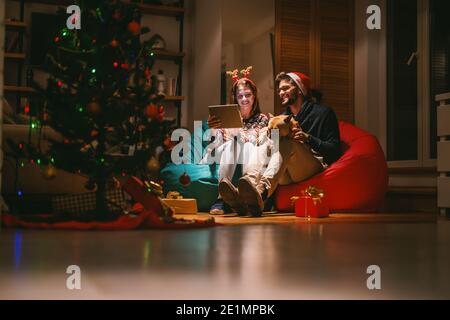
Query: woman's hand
x=214 y=122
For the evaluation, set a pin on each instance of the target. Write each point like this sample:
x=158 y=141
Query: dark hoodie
x=321 y=124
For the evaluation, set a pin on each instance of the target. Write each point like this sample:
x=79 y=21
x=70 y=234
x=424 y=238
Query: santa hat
x=301 y=80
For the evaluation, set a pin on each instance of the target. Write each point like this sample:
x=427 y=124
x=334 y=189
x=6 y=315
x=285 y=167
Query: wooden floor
x=277 y=256
x=290 y=218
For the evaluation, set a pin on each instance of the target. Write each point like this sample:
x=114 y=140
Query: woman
x=245 y=94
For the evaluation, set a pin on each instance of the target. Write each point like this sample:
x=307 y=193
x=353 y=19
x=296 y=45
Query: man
x=311 y=147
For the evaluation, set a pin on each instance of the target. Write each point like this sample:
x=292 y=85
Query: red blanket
x=148 y=213
x=142 y=219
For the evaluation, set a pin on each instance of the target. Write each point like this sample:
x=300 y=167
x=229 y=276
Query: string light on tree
x=91 y=105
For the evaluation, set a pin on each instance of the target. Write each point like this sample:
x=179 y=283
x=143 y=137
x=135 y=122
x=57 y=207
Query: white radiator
x=443 y=151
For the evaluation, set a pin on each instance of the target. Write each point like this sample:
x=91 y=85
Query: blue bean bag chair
x=203 y=186
x=204 y=178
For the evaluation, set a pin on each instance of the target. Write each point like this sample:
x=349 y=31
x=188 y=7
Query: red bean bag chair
x=356 y=182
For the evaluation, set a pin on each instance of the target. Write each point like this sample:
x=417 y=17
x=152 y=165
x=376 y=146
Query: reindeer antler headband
x=235 y=74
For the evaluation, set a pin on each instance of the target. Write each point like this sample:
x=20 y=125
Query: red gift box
x=311 y=204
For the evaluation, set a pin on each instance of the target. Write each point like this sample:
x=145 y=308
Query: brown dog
x=284 y=123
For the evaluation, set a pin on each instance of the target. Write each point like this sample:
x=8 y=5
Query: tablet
x=229 y=115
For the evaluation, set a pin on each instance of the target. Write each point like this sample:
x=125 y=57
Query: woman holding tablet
x=245 y=94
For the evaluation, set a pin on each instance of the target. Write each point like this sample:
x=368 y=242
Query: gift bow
x=315 y=193
x=174 y=195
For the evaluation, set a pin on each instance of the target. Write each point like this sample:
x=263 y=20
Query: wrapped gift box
x=311 y=203
x=85 y=202
x=306 y=207
x=185 y=206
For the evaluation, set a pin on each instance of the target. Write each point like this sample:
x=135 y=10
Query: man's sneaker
x=219 y=207
x=251 y=197
x=229 y=193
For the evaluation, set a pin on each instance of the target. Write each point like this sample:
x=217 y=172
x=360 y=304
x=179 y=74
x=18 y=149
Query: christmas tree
x=101 y=97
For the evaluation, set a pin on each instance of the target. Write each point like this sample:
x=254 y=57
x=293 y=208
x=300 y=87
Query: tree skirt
x=148 y=212
x=139 y=219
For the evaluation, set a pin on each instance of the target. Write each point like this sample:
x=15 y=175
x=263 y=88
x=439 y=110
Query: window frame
x=423 y=94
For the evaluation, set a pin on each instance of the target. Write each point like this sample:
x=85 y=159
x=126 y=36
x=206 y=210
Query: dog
x=284 y=123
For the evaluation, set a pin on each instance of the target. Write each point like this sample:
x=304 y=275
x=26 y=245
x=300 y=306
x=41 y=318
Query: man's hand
x=214 y=122
x=299 y=135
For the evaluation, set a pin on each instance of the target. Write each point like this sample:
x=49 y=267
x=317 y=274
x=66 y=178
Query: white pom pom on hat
x=302 y=81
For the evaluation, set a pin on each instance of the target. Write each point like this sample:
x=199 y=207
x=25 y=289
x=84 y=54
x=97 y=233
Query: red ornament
x=60 y=83
x=161 y=109
x=124 y=66
x=20 y=146
x=26 y=109
x=115 y=64
x=56 y=39
x=134 y=27
x=185 y=179
x=114 y=43
x=168 y=143
x=151 y=111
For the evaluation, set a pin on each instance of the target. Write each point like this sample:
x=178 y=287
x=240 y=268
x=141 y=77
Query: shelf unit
x=15 y=24
x=14 y=56
x=176 y=12
x=18 y=58
x=443 y=152
x=174 y=98
x=162 y=10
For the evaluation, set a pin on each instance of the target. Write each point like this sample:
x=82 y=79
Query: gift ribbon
x=174 y=195
x=314 y=193
x=154 y=188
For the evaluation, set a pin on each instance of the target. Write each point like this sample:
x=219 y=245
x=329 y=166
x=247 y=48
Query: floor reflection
x=267 y=261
